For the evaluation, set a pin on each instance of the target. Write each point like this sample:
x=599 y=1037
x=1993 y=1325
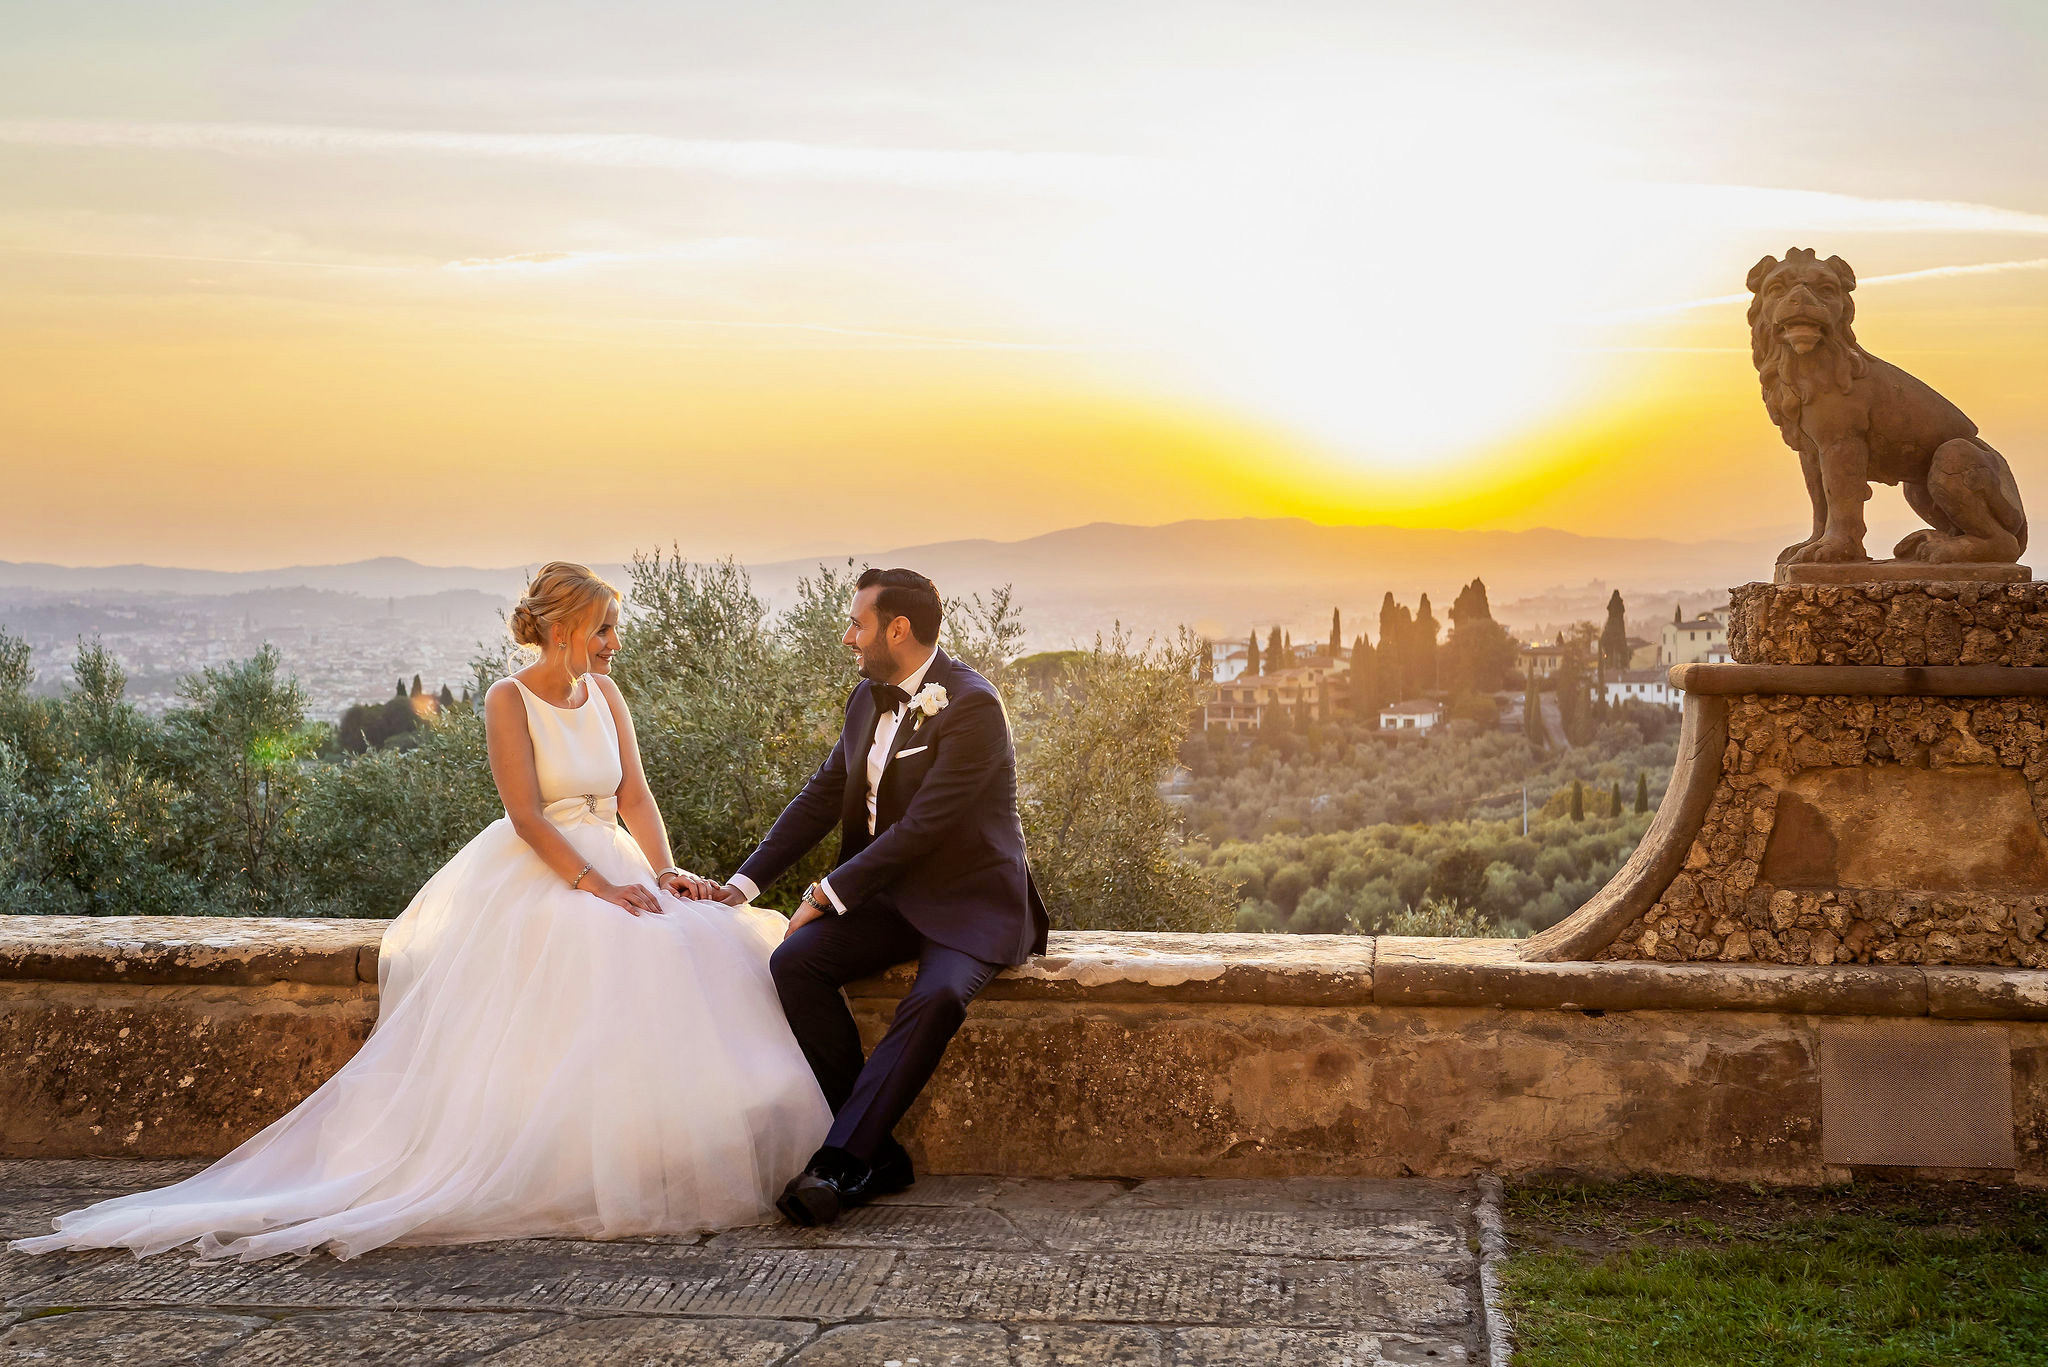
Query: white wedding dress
x=544 y=1063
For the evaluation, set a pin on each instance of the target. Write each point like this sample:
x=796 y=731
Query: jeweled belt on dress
x=585 y=809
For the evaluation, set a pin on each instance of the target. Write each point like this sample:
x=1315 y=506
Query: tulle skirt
x=543 y=1063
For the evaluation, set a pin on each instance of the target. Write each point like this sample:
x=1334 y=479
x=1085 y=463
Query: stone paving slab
x=1295 y=1234
x=124 y=1337
x=95 y=1174
x=888 y=1227
x=385 y=1338
x=1296 y=1193
x=1011 y=1193
x=1151 y=1288
x=959 y=1271
x=545 y=1274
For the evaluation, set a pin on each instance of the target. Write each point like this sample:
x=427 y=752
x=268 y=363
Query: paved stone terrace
x=958 y=1272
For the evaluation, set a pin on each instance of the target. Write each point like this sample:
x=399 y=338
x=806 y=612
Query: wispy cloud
x=967 y=167
x=1937 y=272
x=1862 y=282
x=921 y=339
x=711 y=250
x=291 y=263
x=1819 y=211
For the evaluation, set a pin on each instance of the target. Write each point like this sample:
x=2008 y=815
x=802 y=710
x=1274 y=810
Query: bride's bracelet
x=579 y=877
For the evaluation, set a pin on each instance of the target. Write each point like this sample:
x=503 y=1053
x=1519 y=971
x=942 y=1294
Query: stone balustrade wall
x=1128 y=1055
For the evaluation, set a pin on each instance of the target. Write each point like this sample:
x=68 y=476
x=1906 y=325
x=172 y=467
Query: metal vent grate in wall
x=1908 y=1096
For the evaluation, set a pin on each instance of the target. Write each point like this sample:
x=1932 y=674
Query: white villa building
x=1418 y=714
x=1644 y=685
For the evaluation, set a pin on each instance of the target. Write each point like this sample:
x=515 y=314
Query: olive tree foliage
x=237 y=744
x=104 y=812
x=233 y=804
x=1093 y=748
x=377 y=825
x=735 y=707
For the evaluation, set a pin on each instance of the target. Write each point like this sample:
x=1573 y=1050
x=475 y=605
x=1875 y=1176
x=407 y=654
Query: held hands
x=701 y=889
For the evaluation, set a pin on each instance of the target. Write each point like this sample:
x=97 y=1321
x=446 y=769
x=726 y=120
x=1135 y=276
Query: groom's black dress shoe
x=888 y=1174
x=836 y=1181
x=826 y=1187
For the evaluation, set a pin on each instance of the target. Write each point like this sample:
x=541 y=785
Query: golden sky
x=482 y=283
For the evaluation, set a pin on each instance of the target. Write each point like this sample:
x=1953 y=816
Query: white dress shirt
x=878 y=760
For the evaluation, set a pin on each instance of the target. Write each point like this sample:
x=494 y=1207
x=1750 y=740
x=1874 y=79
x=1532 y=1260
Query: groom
x=923 y=788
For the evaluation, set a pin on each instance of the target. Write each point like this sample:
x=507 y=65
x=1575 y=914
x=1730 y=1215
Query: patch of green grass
x=1696 y=1275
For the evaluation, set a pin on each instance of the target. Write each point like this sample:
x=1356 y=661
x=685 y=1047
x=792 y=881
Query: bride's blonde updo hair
x=560 y=592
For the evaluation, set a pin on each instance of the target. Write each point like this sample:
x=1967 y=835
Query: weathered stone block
x=1910 y=622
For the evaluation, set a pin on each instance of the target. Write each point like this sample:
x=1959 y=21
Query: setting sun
x=1362 y=267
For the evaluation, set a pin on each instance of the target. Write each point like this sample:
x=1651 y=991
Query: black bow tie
x=887 y=697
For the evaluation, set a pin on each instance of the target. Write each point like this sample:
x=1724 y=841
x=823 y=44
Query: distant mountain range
x=1220 y=576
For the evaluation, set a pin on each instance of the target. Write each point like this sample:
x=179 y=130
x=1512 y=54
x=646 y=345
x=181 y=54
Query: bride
x=564 y=1044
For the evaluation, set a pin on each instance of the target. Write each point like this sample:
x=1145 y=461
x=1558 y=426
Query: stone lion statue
x=1854 y=418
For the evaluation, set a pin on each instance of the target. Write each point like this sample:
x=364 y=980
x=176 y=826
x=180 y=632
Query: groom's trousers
x=812 y=965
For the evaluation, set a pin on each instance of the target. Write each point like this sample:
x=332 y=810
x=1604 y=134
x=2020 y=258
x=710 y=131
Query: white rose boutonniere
x=928 y=701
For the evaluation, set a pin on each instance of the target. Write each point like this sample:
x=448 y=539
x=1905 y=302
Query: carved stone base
x=1909 y=830
x=1909 y=622
x=1896 y=571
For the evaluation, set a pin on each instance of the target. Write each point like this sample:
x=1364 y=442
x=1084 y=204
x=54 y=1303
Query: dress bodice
x=575 y=749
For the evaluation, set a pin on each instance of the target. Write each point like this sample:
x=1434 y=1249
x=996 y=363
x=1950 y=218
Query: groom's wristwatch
x=814 y=897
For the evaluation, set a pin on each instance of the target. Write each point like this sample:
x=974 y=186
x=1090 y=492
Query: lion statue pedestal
x=1868 y=781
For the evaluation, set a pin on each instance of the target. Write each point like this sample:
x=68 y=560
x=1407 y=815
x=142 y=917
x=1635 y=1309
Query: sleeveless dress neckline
x=589 y=692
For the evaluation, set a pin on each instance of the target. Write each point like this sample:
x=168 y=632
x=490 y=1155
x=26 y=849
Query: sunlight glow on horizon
x=361 y=281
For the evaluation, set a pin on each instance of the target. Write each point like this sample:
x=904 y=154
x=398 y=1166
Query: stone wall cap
x=1937 y=681
x=245 y=951
x=1105 y=967
x=1463 y=972
x=2014 y=994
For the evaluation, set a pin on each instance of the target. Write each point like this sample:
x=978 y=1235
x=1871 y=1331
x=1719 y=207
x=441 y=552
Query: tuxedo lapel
x=860 y=738
x=905 y=730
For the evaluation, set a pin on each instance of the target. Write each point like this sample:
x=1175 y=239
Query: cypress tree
x=1615 y=797
x=1395 y=625
x=1614 y=638
x=1578 y=801
x=1642 y=792
x=1275 y=660
x=1251 y=656
x=1336 y=635
x=1423 y=660
x=1532 y=717
x=1366 y=687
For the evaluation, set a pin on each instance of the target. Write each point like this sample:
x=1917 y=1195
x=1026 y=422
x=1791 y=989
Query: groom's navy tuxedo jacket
x=948 y=850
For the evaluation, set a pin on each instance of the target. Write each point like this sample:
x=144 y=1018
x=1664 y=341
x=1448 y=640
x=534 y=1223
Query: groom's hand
x=805 y=913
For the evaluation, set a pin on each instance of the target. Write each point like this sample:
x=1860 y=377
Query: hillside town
x=1250 y=686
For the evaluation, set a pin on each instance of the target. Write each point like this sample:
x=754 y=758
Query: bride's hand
x=633 y=897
